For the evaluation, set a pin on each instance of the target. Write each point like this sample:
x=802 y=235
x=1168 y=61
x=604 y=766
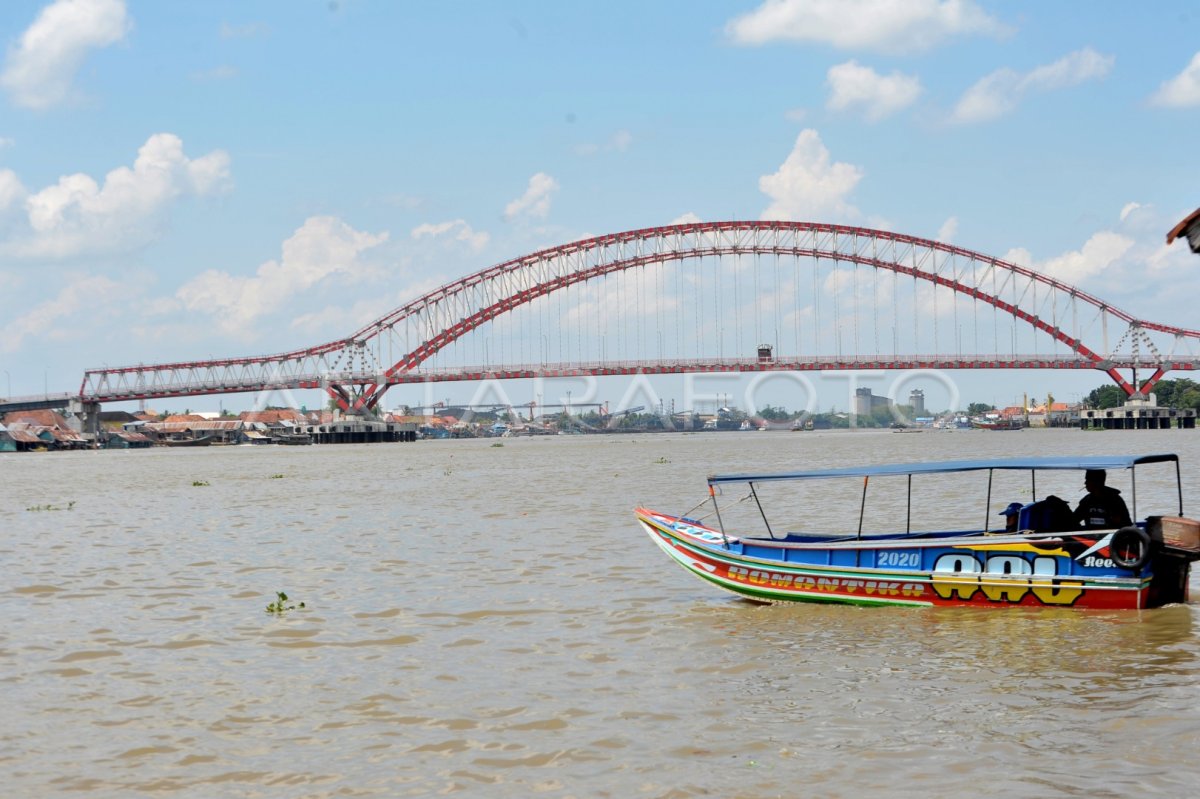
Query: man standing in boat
x=1102 y=508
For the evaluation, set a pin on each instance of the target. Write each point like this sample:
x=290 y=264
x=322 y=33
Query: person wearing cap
x=1011 y=514
x=1102 y=508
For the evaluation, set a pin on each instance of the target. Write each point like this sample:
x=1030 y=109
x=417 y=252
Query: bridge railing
x=782 y=362
x=44 y=397
x=122 y=388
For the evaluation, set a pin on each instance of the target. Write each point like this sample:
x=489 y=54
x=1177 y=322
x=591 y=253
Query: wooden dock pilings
x=356 y=431
x=1137 y=417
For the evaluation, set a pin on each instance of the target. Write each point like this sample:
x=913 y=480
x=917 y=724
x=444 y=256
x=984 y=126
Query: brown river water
x=489 y=621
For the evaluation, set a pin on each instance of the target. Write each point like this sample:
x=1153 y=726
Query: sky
x=190 y=180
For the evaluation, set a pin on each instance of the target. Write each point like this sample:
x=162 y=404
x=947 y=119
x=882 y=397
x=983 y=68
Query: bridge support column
x=358 y=401
x=84 y=417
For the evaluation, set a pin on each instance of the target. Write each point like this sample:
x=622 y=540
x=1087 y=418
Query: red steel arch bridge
x=705 y=297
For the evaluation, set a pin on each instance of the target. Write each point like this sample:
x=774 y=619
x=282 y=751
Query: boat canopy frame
x=1031 y=464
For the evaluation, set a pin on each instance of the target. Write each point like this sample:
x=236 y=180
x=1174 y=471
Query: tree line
x=1182 y=393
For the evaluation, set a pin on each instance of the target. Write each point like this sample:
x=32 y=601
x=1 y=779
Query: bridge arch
x=399 y=346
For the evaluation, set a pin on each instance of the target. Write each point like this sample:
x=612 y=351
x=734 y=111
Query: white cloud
x=999 y=93
x=1129 y=209
x=991 y=97
x=1181 y=91
x=335 y=318
x=79 y=294
x=1019 y=256
x=320 y=248
x=40 y=67
x=1098 y=254
x=876 y=25
x=686 y=219
x=948 y=230
x=535 y=202
x=11 y=190
x=1070 y=70
x=76 y=215
x=618 y=142
x=807 y=186
x=1170 y=264
x=1130 y=264
x=877 y=96
x=458 y=229
x=5 y=141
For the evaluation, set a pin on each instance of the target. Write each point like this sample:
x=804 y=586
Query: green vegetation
x=200 y=483
x=280 y=605
x=773 y=414
x=1109 y=396
x=277 y=477
x=1182 y=393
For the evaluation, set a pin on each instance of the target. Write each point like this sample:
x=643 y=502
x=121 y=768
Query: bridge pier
x=1138 y=416
x=84 y=417
x=359 y=430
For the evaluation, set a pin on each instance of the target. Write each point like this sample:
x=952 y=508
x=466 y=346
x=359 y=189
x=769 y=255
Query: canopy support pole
x=862 y=508
x=713 y=495
x=762 y=512
x=908 y=510
x=1133 y=494
x=1179 y=486
x=987 y=506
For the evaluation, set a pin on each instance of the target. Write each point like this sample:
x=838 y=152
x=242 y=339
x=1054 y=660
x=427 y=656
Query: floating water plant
x=662 y=460
x=277 y=477
x=200 y=482
x=281 y=604
x=38 y=508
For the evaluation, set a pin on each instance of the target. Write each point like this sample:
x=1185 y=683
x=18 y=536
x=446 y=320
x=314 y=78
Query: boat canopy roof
x=1077 y=462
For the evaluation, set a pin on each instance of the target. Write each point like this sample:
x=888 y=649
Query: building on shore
x=866 y=403
x=916 y=399
x=42 y=429
x=190 y=431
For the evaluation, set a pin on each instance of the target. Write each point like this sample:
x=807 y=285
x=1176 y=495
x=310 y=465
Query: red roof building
x=274 y=417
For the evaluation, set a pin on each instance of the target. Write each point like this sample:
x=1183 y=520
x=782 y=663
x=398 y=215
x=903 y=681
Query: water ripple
x=490 y=622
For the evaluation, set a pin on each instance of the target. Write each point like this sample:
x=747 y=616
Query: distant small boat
x=202 y=441
x=996 y=424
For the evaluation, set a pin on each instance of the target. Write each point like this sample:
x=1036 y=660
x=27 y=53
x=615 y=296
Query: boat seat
x=1049 y=515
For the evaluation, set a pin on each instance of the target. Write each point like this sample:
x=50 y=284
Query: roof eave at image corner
x=1190 y=227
